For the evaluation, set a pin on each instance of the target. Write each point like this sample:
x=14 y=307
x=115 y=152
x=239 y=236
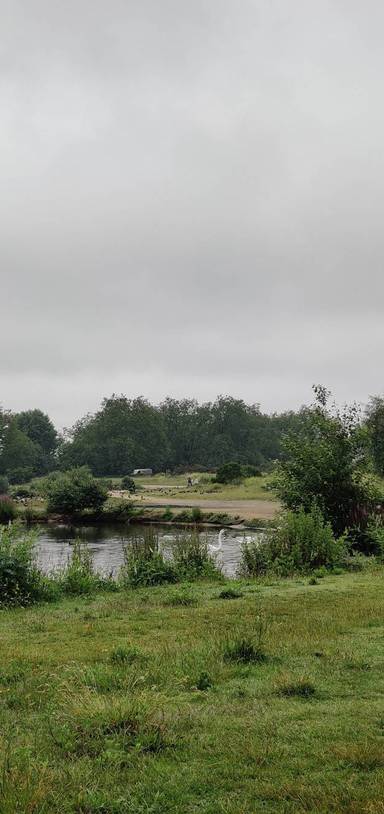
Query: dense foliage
x=7 y=509
x=126 y=434
x=21 y=582
x=301 y=541
x=74 y=491
x=177 y=435
x=325 y=462
x=234 y=471
x=28 y=442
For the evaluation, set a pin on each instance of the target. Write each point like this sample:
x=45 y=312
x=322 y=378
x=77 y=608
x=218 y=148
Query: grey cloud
x=191 y=200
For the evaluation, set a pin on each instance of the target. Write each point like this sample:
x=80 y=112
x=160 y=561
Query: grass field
x=250 y=489
x=132 y=703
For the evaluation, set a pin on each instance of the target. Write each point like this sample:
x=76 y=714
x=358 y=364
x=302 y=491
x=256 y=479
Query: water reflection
x=107 y=543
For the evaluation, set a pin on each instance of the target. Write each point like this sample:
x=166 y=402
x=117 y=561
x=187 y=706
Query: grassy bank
x=150 y=701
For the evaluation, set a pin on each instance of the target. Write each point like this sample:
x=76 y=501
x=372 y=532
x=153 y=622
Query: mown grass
x=129 y=704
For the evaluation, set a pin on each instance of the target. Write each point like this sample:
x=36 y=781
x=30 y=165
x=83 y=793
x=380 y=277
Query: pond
x=54 y=545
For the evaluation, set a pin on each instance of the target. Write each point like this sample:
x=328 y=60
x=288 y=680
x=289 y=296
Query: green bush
x=128 y=484
x=168 y=514
x=250 y=471
x=20 y=474
x=302 y=541
x=229 y=472
x=8 y=509
x=325 y=462
x=305 y=541
x=21 y=582
x=74 y=491
x=196 y=515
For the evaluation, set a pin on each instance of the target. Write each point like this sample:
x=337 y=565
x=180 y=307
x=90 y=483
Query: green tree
x=19 y=454
x=375 y=427
x=324 y=463
x=74 y=491
x=38 y=427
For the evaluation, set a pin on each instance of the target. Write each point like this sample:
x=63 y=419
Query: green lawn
x=249 y=489
x=124 y=703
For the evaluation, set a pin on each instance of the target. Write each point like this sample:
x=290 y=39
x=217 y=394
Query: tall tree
x=375 y=426
x=38 y=427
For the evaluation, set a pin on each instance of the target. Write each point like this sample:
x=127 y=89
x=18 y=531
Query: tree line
x=176 y=435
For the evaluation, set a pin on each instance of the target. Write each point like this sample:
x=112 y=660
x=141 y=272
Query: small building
x=142 y=472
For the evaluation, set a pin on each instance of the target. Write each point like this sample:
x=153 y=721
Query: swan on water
x=215 y=548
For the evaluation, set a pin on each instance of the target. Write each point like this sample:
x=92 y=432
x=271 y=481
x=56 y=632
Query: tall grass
x=21 y=581
x=148 y=562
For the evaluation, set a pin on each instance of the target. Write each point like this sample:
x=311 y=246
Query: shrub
x=196 y=515
x=375 y=538
x=229 y=472
x=230 y=593
x=8 y=509
x=128 y=484
x=21 y=583
x=250 y=471
x=21 y=491
x=324 y=461
x=20 y=474
x=75 y=490
x=301 y=542
x=168 y=514
x=305 y=541
x=4 y=485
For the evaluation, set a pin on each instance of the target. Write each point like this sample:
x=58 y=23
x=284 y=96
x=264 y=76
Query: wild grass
x=120 y=703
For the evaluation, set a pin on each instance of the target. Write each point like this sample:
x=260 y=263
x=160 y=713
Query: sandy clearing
x=247 y=509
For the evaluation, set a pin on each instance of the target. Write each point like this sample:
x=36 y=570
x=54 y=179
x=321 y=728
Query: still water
x=106 y=543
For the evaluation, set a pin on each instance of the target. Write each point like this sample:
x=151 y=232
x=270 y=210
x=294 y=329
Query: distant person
x=189 y=482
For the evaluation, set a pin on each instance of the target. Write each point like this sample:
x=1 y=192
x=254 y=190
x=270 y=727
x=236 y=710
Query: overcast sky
x=191 y=200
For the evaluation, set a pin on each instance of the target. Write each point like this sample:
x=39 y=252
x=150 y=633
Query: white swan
x=215 y=548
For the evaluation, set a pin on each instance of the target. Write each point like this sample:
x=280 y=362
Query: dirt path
x=247 y=509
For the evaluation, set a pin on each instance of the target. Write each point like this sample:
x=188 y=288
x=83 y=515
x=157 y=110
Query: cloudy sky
x=191 y=200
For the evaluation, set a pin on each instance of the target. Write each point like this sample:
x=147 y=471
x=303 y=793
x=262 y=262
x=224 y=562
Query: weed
x=301 y=687
x=230 y=593
x=145 y=564
x=125 y=655
x=243 y=650
x=181 y=598
x=204 y=682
